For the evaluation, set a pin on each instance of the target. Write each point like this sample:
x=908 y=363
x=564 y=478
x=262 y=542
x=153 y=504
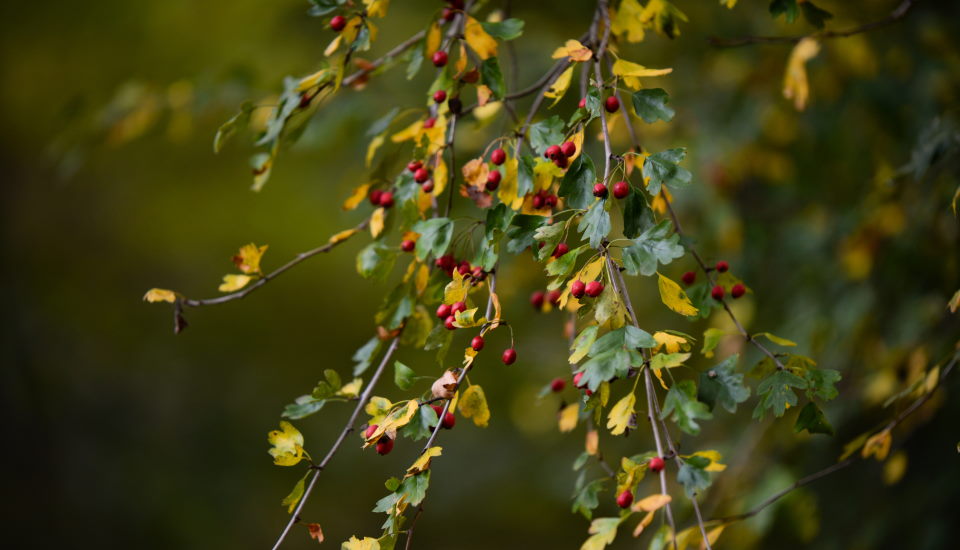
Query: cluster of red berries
x=717 y=292
x=448 y=263
x=544 y=199
x=381 y=198
x=538 y=298
x=421 y=174
x=560 y=154
x=449 y=312
x=450 y=11
x=497 y=157
x=592 y=289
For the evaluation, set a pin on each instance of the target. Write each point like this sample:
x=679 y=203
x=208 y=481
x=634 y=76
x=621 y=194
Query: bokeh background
x=120 y=434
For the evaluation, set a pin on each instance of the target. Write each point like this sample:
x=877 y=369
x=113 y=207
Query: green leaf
x=229 y=128
x=692 y=475
x=491 y=75
x=577 y=184
x=415 y=488
x=546 y=133
x=395 y=308
x=656 y=244
x=508 y=29
x=525 y=179
x=595 y=224
x=302 y=407
x=422 y=426
x=376 y=260
x=498 y=219
x=661 y=539
x=323 y=7
x=550 y=236
x=605 y=366
x=582 y=343
x=291 y=500
x=563 y=266
x=403 y=376
x=628 y=337
x=776 y=394
x=637 y=216
x=815 y=15
x=416 y=61
x=439 y=339
x=333 y=379
x=813 y=420
x=682 y=402
x=435 y=236
x=585 y=499
x=364 y=356
x=724 y=386
x=651 y=105
x=822 y=383
x=711 y=339
x=520 y=236
x=662 y=169
x=787 y=8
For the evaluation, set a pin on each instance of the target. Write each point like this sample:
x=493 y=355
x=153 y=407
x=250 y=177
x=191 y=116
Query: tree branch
x=897 y=14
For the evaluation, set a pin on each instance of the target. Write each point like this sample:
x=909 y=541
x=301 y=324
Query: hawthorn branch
x=397 y=50
x=347 y=429
x=598 y=74
x=897 y=14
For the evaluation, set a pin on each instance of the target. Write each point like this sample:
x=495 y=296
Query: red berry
x=509 y=356
x=625 y=499
x=338 y=23
x=577 y=288
x=427 y=187
x=448 y=14
x=458 y=307
x=448 y=323
x=717 y=293
x=408 y=245
x=554 y=297
x=738 y=290
x=557 y=385
x=439 y=58
x=375 y=197
x=478 y=273
x=464 y=268
x=429 y=123
x=386 y=199
x=443 y=311
x=536 y=299
x=537 y=202
x=384 y=445
x=414 y=165
x=583 y=103
x=440 y=96
x=552 y=152
x=371 y=429
x=576 y=379
x=561 y=160
x=498 y=156
x=560 y=250
x=550 y=200
x=477 y=343
x=656 y=464
x=688 y=278
x=448 y=421
x=493 y=180
x=594 y=289
x=569 y=148
x=722 y=266
x=445 y=262
x=600 y=191
x=612 y=104
x=621 y=189
x=421 y=175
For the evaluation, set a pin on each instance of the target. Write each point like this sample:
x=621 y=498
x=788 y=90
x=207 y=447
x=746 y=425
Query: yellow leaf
x=574 y=50
x=423 y=277
x=878 y=445
x=473 y=404
x=508 y=186
x=375 y=144
x=484 y=112
x=671 y=343
x=592 y=444
x=674 y=297
x=356 y=197
x=651 y=503
x=408 y=133
x=567 y=418
x=398 y=418
x=647 y=520
x=377 y=221
x=461 y=65
x=631 y=72
x=626 y=21
x=729 y=3
x=312 y=80
x=544 y=172
x=234 y=282
x=423 y=462
x=795 y=84
x=376 y=8
x=560 y=86
x=351 y=389
x=367 y=543
x=619 y=417
x=434 y=37
x=248 y=259
x=577 y=140
x=894 y=468
x=342 y=236
x=714 y=457
x=954 y=303
x=478 y=39
x=484 y=93
x=287 y=445
x=333 y=45
x=659 y=204
x=456 y=290
x=776 y=339
x=160 y=295
x=475 y=172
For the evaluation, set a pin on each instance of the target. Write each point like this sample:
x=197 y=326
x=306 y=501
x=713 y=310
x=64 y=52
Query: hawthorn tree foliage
x=556 y=188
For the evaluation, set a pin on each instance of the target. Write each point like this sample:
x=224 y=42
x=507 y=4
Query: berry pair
x=560 y=154
x=381 y=198
x=592 y=289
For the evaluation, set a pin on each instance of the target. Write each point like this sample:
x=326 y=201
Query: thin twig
x=397 y=50
x=898 y=13
x=413 y=524
x=347 y=428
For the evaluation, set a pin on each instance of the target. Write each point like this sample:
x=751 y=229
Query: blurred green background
x=121 y=434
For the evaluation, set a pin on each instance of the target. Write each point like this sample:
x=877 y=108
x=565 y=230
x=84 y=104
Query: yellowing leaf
x=356 y=197
x=631 y=72
x=592 y=444
x=795 y=84
x=367 y=543
x=560 y=86
x=376 y=8
x=671 y=343
x=894 y=468
x=248 y=259
x=646 y=521
x=651 y=503
x=160 y=295
x=398 y=418
x=574 y=50
x=316 y=533
x=375 y=144
x=478 y=39
x=434 y=37
x=508 y=185
x=342 y=236
x=287 y=445
x=456 y=290
x=567 y=418
x=234 y=282
x=439 y=177
x=473 y=404
x=626 y=21
x=485 y=112
x=577 y=140
x=423 y=462
x=674 y=297
x=714 y=457
x=423 y=277
x=351 y=389
x=377 y=221
x=408 y=133
x=475 y=172
x=776 y=339
x=464 y=319
x=484 y=93
x=312 y=80
x=377 y=408
x=878 y=445
x=619 y=417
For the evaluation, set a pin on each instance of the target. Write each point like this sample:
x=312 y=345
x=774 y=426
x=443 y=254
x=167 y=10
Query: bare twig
x=347 y=429
x=397 y=50
x=897 y=14
x=413 y=524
